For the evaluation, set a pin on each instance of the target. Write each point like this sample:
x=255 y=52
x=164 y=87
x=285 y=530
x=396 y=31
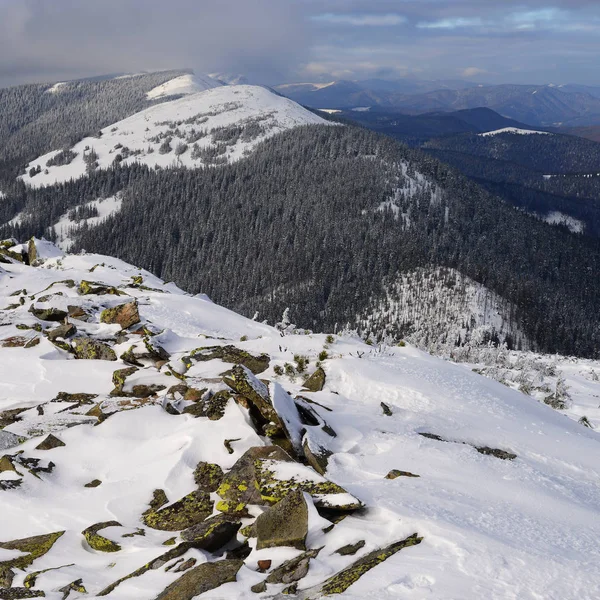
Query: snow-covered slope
x=503 y=490
x=184 y=85
x=210 y=127
x=514 y=130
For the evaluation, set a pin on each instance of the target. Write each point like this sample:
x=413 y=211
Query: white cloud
x=473 y=72
x=450 y=23
x=361 y=20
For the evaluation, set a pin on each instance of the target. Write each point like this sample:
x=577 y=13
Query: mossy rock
x=208 y=576
x=50 y=443
x=89 y=349
x=285 y=524
x=184 y=513
x=119 y=377
x=99 y=542
x=213 y=533
x=341 y=581
x=48 y=314
x=126 y=315
x=34 y=547
x=208 y=476
x=240 y=486
x=243 y=382
x=233 y=355
x=99 y=289
x=159 y=499
x=316 y=382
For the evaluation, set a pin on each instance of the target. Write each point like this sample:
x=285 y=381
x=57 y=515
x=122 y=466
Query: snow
x=65 y=227
x=183 y=85
x=557 y=218
x=514 y=130
x=56 y=88
x=139 y=137
x=330 y=111
x=526 y=528
x=362 y=109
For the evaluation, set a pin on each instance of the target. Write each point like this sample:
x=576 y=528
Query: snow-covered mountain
x=155 y=445
x=217 y=125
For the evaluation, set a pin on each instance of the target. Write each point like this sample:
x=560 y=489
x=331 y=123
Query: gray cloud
x=286 y=40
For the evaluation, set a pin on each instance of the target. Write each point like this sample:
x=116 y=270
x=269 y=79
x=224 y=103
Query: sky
x=279 y=41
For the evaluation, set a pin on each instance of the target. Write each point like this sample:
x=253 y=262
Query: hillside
x=129 y=435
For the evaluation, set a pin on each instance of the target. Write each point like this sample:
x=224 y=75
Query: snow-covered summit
x=184 y=85
x=514 y=130
x=143 y=434
x=210 y=127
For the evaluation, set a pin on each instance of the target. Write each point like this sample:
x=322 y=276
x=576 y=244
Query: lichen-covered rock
x=74 y=586
x=285 y=524
x=119 y=377
x=50 y=443
x=89 y=349
x=240 y=485
x=350 y=549
x=126 y=315
x=243 y=382
x=208 y=576
x=99 y=289
x=208 y=476
x=34 y=547
x=212 y=534
x=48 y=314
x=99 y=542
x=20 y=593
x=395 y=473
x=341 y=581
x=233 y=355
x=288 y=572
x=80 y=399
x=143 y=391
x=184 y=513
x=316 y=382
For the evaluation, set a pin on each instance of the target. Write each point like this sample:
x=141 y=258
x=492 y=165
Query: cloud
x=450 y=23
x=361 y=20
x=473 y=72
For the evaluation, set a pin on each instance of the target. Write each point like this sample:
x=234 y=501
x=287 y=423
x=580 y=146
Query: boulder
x=285 y=524
x=33 y=547
x=212 y=534
x=89 y=349
x=48 y=314
x=50 y=443
x=208 y=476
x=184 y=513
x=316 y=382
x=64 y=331
x=99 y=542
x=208 y=576
x=233 y=355
x=125 y=315
x=99 y=289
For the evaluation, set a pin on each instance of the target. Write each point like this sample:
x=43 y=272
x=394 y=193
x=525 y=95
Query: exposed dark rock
x=99 y=289
x=48 y=314
x=208 y=476
x=289 y=572
x=350 y=549
x=502 y=454
x=119 y=377
x=395 y=473
x=387 y=411
x=233 y=355
x=79 y=398
x=125 y=315
x=93 y=484
x=89 y=349
x=18 y=593
x=99 y=542
x=316 y=382
x=74 y=586
x=34 y=547
x=212 y=534
x=184 y=513
x=64 y=331
x=50 y=443
x=285 y=524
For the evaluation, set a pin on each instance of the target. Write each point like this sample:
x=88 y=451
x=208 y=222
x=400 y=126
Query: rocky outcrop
x=50 y=443
x=212 y=534
x=233 y=355
x=99 y=542
x=126 y=315
x=184 y=513
x=285 y=524
x=89 y=349
x=316 y=382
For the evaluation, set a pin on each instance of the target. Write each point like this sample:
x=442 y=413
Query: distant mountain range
x=539 y=105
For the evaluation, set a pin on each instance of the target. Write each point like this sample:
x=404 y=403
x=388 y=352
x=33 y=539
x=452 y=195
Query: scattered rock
x=80 y=399
x=119 y=377
x=208 y=476
x=289 y=572
x=89 y=349
x=387 y=411
x=18 y=341
x=502 y=454
x=64 y=331
x=233 y=355
x=50 y=443
x=228 y=446
x=264 y=565
x=212 y=534
x=93 y=484
x=125 y=315
x=6 y=464
x=285 y=524
x=144 y=391
x=90 y=287
x=185 y=566
x=76 y=312
x=316 y=455
x=184 y=513
x=48 y=314
x=395 y=473
x=350 y=549
x=316 y=382
x=17 y=593
x=99 y=542
x=203 y=578
x=74 y=586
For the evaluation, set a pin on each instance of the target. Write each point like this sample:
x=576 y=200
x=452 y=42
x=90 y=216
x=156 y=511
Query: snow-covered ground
x=524 y=528
x=184 y=85
x=217 y=125
x=514 y=130
x=557 y=218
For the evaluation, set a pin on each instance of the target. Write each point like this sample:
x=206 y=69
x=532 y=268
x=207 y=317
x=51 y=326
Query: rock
x=6 y=464
x=394 y=474
x=93 y=484
x=241 y=552
x=212 y=534
x=350 y=549
x=144 y=391
x=159 y=499
x=289 y=572
x=64 y=331
x=233 y=355
x=119 y=377
x=203 y=578
x=316 y=382
x=48 y=314
x=34 y=547
x=243 y=382
x=17 y=593
x=264 y=565
x=185 y=566
x=341 y=581
x=502 y=454
x=89 y=349
x=76 y=312
x=80 y=399
x=8 y=417
x=17 y=341
x=125 y=315
x=240 y=485
x=50 y=443
x=184 y=513
x=387 y=411
x=316 y=455
x=285 y=524
x=208 y=476
x=99 y=542
x=90 y=287
x=74 y=586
